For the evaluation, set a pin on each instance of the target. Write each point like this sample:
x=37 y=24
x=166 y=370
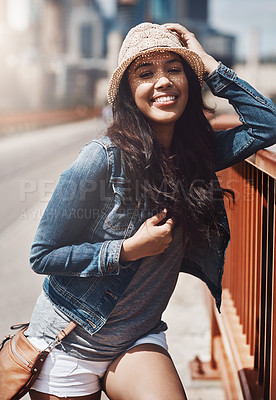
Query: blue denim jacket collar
x=85 y=278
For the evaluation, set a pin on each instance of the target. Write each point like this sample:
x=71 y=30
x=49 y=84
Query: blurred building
x=191 y=13
x=72 y=44
x=60 y=53
x=57 y=60
x=69 y=47
x=14 y=52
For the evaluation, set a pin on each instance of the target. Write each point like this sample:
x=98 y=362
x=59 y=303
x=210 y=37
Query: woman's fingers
x=164 y=228
x=186 y=36
x=177 y=28
x=193 y=44
x=157 y=218
x=170 y=222
x=150 y=239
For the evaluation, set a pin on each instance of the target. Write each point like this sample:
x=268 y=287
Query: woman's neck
x=164 y=134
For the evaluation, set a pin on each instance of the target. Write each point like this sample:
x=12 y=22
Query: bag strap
x=64 y=332
x=61 y=335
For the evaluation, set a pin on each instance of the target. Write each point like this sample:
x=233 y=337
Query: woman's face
x=159 y=86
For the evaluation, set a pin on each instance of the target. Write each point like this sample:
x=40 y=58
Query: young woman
x=138 y=206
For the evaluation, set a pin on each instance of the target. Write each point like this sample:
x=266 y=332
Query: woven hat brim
x=190 y=56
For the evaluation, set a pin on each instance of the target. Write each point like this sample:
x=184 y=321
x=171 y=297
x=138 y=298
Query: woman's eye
x=175 y=70
x=145 y=74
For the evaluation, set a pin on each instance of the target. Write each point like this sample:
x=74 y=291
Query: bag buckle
x=53 y=344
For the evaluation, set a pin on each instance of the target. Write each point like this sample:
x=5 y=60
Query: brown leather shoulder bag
x=21 y=362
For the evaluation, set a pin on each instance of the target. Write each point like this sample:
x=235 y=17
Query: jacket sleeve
x=55 y=249
x=256 y=113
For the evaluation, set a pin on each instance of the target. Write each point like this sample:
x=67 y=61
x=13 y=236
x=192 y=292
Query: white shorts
x=63 y=375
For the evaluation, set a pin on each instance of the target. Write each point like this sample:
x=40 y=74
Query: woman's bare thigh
x=34 y=395
x=144 y=372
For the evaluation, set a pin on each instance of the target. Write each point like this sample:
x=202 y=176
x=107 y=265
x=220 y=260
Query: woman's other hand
x=192 y=44
x=152 y=238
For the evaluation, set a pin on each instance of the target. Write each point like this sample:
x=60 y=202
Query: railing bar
x=263 y=283
x=255 y=225
x=250 y=248
x=236 y=240
x=247 y=248
x=252 y=227
x=273 y=324
x=238 y=256
x=259 y=246
x=253 y=222
x=269 y=265
x=243 y=250
x=225 y=182
x=232 y=267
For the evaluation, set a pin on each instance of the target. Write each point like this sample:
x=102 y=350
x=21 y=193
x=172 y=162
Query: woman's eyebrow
x=145 y=64
x=173 y=60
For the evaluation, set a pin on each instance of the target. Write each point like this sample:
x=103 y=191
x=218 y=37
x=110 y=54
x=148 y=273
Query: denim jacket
x=79 y=238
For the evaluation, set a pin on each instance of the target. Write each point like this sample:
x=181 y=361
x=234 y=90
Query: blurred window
x=198 y=9
x=86 y=42
x=160 y=10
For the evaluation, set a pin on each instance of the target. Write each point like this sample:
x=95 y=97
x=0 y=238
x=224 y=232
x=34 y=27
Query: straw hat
x=147 y=38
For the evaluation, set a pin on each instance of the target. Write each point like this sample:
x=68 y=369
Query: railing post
x=272 y=389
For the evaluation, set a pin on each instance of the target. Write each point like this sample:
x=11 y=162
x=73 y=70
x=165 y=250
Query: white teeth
x=165 y=98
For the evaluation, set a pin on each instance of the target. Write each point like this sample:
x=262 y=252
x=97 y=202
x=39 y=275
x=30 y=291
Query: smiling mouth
x=164 y=99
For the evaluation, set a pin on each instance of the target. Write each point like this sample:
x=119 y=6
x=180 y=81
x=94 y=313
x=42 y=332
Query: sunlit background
x=59 y=54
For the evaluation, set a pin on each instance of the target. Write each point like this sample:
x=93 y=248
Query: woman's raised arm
x=57 y=248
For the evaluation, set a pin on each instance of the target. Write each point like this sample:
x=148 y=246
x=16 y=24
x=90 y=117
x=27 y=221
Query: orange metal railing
x=244 y=334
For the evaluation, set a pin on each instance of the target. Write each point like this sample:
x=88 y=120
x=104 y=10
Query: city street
x=30 y=165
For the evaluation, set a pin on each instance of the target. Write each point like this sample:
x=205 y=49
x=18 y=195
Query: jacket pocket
x=121 y=217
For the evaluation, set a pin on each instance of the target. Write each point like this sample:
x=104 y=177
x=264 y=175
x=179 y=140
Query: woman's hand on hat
x=193 y=44
x=152 y=238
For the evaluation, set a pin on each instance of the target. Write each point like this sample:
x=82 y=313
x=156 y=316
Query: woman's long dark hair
x=182 y=180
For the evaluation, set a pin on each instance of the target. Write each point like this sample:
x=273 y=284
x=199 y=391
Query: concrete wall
x=261 y=75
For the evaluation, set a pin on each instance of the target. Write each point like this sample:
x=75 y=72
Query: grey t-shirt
x=137 y=314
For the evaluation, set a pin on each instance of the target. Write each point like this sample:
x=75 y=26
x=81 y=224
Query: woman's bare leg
x=145 y=372
x=34 y=395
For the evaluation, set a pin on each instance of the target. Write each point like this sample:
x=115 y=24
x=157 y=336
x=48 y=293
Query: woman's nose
x=163 y=81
